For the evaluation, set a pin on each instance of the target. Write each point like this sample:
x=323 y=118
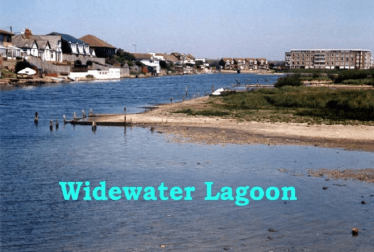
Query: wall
x=125 y=71
x=84 y=59
x=48 y=67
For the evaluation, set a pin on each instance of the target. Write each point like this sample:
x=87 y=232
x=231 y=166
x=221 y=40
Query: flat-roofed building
x=328 y=59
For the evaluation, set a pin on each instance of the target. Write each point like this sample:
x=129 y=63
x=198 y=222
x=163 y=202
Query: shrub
x=89 y=76
x=289 y=80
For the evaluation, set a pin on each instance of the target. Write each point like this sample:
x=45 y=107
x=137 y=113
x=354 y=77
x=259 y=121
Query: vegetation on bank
x=292 y=104
x=355 y=77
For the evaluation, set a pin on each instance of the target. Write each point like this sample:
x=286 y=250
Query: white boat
x=57 y=79
x=27 y=71
x=218 y=91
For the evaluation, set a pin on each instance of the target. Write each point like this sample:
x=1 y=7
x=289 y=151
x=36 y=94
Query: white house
x=72 y=45
x=149 y=60
x=48 y=48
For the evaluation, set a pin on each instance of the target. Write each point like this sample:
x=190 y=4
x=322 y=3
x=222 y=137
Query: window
x=51 y=55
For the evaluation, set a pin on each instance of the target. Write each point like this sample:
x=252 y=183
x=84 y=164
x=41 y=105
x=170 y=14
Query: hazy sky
x=206 y=29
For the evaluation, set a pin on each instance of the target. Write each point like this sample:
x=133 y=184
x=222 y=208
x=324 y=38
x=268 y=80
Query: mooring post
x=93 y=126
x=74 y=116
x=212 y=88
x=171 y=100
x=90 y=113
x=51 y=125
x=125 y=116
x=36 y=119
x=56 y=123
x=183 y=97
x=83 y=113
x=186 y=91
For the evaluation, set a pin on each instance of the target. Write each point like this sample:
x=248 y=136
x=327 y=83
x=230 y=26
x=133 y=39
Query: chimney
x=28 y=33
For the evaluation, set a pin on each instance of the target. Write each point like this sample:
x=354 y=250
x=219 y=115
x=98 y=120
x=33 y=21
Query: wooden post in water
x=186 y=91
x=74 y=116
x=83 y=113
x=171 y=100
x=36 y=119
x=56 y=123
x=93 y=126
x=51 y=125
x=125 y=116
x=64 y=117
x=90 y=113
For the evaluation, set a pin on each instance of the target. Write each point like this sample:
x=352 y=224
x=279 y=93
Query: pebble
x=363 y=202
x=354 y=231
x=162 y=246
x=324 y=188
x=272 y=230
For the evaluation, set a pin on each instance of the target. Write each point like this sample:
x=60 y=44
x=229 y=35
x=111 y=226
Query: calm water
x=35 y=217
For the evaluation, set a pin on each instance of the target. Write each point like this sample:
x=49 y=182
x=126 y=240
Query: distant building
x=72 y=45
x=101 y=48
x=149 y=60
x=5 y=38
x=244 y=64
x=328 y=59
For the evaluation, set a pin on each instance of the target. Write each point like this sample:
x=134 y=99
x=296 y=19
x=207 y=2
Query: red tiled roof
x=95 y=42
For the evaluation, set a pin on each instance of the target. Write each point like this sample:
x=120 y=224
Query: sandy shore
x=215 y=130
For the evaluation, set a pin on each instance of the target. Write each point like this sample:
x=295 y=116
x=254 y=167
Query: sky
x=205 y=28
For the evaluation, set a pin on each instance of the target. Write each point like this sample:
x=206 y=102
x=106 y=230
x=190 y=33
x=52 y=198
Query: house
x=101 y=48
x=251 y=63
x=227 y=63
x=239 y=63
x=48 y=48
x=149 y=60
x=72 y=45
x=262 y=63
x=5 y=38
x=7 y=49
x=184 y=59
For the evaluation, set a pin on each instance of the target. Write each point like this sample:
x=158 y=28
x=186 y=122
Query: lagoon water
x=35 y=217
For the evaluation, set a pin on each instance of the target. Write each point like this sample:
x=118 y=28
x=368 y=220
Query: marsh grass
x=293 y=105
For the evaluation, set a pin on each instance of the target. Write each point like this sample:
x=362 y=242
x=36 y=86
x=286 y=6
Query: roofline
x=314 y=50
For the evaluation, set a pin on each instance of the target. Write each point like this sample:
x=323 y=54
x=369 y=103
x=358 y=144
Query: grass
x=293 y=104
x=5 y=72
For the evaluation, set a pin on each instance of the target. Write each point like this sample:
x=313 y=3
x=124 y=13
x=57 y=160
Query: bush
x=353 y=74
x=89 y=76
x=290 y=80
x=22 y=65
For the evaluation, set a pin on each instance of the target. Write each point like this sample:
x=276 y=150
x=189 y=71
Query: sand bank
x=215 y=130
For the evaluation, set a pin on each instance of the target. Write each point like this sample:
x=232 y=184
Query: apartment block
x=328 y=59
